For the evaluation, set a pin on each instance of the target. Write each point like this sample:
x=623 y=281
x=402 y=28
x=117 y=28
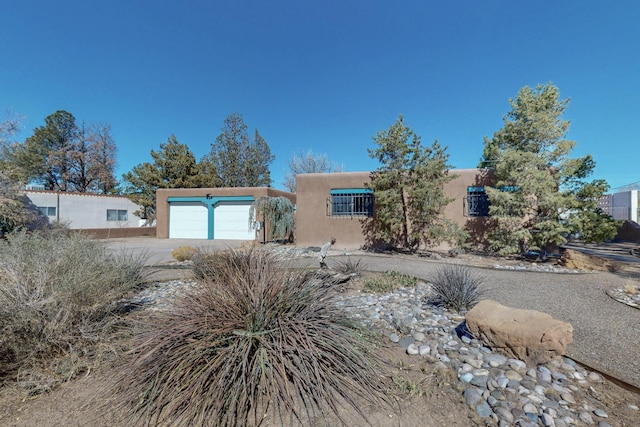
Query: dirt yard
x=434 y=398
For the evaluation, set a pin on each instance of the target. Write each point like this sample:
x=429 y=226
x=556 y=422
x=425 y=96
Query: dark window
x=47 y=210
x=350 y=202
x=477 y=202
x=116 y=215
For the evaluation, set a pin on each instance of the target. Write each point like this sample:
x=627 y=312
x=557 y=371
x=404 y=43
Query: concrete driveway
x=157 y=252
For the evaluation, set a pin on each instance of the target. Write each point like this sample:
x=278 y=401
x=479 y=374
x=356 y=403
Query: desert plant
x=350 y=266
x=183 y=253
x=204 y=264
x=57 y=290
x=615 y=267
x=388 y=281
x=251 y=339
x=632 y=288
x=456 y=286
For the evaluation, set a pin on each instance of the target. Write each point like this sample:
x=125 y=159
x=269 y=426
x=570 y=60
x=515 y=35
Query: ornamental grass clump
x=183 y=253
x=252 y=341
x=456 y=287
x=350 y=266
x=58 y=293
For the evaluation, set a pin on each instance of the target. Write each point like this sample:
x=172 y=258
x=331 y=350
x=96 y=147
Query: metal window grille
x=477 y=202
x=350 y=204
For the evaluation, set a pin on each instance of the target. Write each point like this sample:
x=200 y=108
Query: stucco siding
x=164 y=195
x=84 y=210
x=315 y=225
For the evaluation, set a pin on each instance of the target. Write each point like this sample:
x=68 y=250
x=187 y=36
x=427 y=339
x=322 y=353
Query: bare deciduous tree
x=308 y=162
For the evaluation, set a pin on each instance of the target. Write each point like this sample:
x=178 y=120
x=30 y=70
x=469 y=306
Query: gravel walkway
x=606 y=332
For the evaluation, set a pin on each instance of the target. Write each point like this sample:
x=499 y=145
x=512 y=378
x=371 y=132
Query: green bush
x=456 y=286
x=183 y=253
x=389 y=281
x=253 y=338
x=56 y=292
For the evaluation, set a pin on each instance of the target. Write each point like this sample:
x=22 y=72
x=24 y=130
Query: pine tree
x=66 y=157
x=236 y=160
x=409 y=191
x=173 y=166
x=535 y=199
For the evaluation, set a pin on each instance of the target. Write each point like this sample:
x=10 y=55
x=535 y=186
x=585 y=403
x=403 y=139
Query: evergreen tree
x=47 y=156
x=235 y=160
x=409 y=191
x=64 y=157
x=536 y=195
x=173 y=166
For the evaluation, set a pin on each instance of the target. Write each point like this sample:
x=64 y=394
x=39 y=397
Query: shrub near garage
x=252 y=338
x=57 y=292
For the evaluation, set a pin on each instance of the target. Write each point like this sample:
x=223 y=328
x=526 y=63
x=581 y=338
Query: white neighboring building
x=81 y=211
x=622 y=205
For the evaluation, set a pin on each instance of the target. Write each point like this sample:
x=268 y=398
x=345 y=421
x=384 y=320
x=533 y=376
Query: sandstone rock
x=529 y=335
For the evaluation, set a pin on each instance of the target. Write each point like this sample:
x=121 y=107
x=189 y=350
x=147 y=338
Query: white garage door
x=188 y=220
x=231 y=221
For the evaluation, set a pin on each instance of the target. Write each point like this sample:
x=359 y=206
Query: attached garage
x=209 y=213
x=188 y=220
x=231 y=221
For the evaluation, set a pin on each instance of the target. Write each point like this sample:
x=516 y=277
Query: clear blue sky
x=325 y=75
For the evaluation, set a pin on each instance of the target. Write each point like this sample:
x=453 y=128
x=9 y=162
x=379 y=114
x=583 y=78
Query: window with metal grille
x=350 y=202
x=477 y=202
x=116 y=215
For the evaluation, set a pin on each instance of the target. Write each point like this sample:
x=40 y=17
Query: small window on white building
x=47 y=210
x=116 y=215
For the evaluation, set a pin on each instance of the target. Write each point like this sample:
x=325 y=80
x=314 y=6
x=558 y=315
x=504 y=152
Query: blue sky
x=326 y=75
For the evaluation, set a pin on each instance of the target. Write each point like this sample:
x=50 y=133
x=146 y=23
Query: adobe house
x=210 y=213
x=335 y=205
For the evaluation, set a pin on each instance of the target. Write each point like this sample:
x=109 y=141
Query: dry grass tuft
x=252 y=339
x=388 y=281
x=57 y=293
x=632 y=288
x=183 y=253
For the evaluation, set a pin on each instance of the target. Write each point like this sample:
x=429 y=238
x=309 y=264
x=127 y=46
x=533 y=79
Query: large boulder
x=528 y=335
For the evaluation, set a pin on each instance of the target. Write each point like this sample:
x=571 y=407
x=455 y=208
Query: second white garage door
x=231 y=221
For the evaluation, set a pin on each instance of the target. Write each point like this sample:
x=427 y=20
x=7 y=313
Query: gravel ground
x=606 y=333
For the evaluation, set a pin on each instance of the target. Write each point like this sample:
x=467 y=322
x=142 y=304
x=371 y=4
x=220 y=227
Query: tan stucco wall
x=163 y=194
x=314 y=227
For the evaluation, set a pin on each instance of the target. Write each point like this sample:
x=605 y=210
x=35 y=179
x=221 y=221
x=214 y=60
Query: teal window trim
x=338 y=191
x=210 y=202
x=473 y=189
x=477 y=202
